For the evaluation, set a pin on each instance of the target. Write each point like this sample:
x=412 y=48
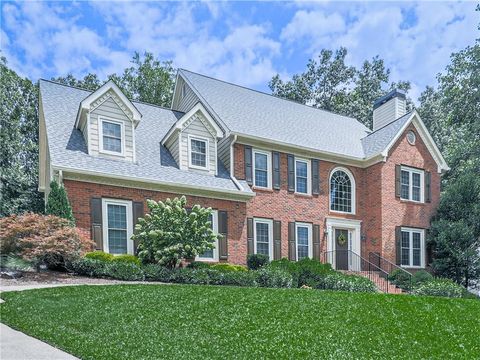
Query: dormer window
x=198 y=155
x=111 y=140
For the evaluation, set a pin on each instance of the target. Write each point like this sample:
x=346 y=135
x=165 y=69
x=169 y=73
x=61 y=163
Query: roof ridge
x=92 y=91
x=271 y=95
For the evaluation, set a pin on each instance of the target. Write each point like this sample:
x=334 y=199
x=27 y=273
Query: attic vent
x=411 y=137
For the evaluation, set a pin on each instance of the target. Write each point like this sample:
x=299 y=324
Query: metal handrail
x=392 y=267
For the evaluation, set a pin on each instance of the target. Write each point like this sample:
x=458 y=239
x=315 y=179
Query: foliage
x=307 y=271
x=401 y=279
x=148 y=79
x=341 y=282
x=19 y=144
x=89 y=267
x=224 y=267
x=198 y=265
x=99 y=255
x=440 y=287
x=307 y=324
x=330 y=84
x=126 y=258
x=256 y=261
x=58 y=204
x=155 y=272
x=169 y=233
x=455 y=231
x=123 y=270
x=14 y=263
x=274 y=278
x=421 y=277
x=41 y=239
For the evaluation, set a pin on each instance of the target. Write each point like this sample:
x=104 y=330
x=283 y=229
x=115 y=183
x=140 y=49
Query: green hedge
x=341 y=282
x=441 y=287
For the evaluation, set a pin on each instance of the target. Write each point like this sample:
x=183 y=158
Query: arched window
x=342 y=191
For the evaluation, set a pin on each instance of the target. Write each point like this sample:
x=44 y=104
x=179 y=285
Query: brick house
x=284 y=179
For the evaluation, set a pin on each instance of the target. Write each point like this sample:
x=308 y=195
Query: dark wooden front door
x=341 y=249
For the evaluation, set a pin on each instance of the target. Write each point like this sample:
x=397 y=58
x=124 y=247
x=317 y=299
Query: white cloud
x=312 y=24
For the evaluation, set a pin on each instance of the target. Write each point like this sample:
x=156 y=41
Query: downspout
x=232 y=167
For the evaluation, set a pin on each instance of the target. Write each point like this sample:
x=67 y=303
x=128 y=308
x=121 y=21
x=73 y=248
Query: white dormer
x=107 y=119
x=192 y=141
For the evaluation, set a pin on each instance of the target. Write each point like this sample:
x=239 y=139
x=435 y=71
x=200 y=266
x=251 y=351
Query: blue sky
x=243 y=42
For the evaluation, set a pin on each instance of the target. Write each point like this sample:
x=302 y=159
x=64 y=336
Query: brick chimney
x=388 y=108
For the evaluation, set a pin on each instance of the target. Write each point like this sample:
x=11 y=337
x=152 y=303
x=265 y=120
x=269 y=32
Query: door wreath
x=341 y=239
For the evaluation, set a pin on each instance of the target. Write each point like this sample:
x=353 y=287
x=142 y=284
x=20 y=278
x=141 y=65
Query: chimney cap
x=392 y=94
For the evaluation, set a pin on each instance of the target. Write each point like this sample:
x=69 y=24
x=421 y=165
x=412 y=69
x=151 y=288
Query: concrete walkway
x=15 y=345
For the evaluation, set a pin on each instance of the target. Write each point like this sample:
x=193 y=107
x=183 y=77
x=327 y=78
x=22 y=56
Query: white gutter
x=232 y=166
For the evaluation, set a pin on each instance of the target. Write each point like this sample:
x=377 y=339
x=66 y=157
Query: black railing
x=350 y=262
x=404 y=277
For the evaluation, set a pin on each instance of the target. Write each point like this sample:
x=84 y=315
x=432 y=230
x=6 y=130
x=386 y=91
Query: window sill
x=112 y=153
x=302 y=195
x=406 y=267
x=262 y=189
x=341 y=212
x=412 y=202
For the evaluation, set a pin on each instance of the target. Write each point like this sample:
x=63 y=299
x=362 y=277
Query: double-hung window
x=412 y=245
x=198 y=154
x=411 y=184
x=117 y=226
x=111 y=136
x=263 y=237
x=261 y=169
x=304 y=240
x=302 y=176
x=211 y=254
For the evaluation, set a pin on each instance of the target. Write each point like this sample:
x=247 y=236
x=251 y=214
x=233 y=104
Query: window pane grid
x=411 y=248
x=302 y=242
x=117 y=228
x=262 y=238
x=112 y=137
x=340 y=192
x=198 y=153
x=261 y=170
x=301 y=177
x=411 y=185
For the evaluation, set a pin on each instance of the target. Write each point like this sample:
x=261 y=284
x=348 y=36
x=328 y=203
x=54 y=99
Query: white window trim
x=269 y=168
x=354 y=194
x=310 y=238
x=410 y=184
x=128 y=205
x=207 y=152
x=101 y=120
x=215 y=257
x=410 y=244
x=309 y=176
x=270 y=235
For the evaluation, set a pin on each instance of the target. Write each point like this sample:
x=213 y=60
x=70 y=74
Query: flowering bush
x=342 y=282
x=274 y=278
x=169 y=233
x=41 y=239
x=440 y=287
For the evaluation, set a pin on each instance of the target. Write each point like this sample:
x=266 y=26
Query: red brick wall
x=376 y=205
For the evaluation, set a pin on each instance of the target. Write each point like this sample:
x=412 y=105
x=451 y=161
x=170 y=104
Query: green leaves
x=58 y=204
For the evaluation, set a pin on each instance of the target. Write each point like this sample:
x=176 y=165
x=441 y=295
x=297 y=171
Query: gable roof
x=68 y=150
x=250 y=112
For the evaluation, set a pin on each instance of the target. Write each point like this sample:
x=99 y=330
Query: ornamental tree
x=170 y=232
x=58 y=204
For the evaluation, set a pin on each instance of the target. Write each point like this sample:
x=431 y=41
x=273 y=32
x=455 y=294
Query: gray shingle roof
x=68 y=149
x=254 y=113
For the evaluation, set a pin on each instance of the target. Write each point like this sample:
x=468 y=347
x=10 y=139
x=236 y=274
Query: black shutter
x=249 y=236
x=398 y=251
x=398 y=174
x=292 y=253
x=277 y=240
x=428 y=186
x=276 y=170
x=429 y=248
x=315 y=177
x=316 y=242
x=291 y=172
x=223 y=231
x=96 y=219
x=248 y=164
x=137 y=207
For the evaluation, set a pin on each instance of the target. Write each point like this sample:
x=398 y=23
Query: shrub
x=304 y=272
x=89 y=267
x=341 y=282
x=401 y=279
x=240 y=278
x=274 y=278
x=41 y=239
x=421 y=277
x=14 y=263
x=123 y=271
x=155 y=272
x=126 y=258
x=224 y=267
x=99 y=255
x=256 y=261
x=169 y=233
x=440 y=287
x=57 y=203
x=198 y=265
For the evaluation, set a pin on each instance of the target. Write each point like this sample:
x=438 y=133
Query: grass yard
x=185 y=321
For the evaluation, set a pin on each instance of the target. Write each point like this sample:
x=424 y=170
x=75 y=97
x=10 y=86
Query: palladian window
x=342 y=191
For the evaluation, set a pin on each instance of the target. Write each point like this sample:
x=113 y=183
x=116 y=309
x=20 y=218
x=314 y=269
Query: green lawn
x=184 y=321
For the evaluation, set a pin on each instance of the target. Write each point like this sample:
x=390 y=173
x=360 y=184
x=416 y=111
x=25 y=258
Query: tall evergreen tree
x=58 y=204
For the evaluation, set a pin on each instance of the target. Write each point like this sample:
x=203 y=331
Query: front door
x=341 y=249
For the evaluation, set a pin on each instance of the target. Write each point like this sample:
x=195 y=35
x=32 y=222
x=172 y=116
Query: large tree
x=147 y=79
x=330 y=84
x=19 y=144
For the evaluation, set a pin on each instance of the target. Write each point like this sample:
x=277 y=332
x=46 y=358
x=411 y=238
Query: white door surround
x=353 y=227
